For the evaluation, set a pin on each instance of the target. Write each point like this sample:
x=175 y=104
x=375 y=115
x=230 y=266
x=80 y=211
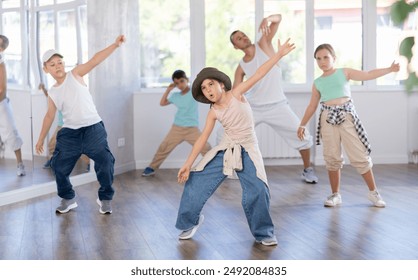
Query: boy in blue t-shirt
x=186 y=121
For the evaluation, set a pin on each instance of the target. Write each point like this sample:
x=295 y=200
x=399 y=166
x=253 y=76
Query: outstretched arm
x=264 y=68
x=85 y=68
x=184 y=171
x=358 y=75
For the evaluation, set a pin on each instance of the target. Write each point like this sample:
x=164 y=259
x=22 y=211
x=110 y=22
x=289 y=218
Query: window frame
x=24 y=15
x=56 y=8
x=369 y=17
x=31 y=61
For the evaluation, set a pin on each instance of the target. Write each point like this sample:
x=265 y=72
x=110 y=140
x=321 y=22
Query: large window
x=293 y=26
x=360 y=31
x=59 y=24
x=339 y=23
x=388 y=38
x=165 y=40
x=221 y=19
x=11 y=26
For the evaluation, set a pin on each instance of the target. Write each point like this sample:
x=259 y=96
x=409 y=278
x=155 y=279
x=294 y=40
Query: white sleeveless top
x=269 y=89
x=75 y=102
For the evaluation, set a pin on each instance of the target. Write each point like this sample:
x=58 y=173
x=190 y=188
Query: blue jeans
x=255 y=196
x=91 y=141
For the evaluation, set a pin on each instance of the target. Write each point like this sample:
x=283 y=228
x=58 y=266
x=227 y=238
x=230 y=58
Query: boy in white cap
x=8 y=131
x=83 y=131
x=237 y=152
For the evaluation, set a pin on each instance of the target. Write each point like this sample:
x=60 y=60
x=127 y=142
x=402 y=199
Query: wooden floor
x=145 y=209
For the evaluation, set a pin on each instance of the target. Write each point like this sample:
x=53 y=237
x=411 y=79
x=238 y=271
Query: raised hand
x=286 y=48
x=394 y=67
x=264 y=27
x=119 y=40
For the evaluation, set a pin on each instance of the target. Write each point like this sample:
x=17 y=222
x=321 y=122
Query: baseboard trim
x=50 y=187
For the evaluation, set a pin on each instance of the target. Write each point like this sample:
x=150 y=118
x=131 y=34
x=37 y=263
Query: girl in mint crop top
x=333 y=86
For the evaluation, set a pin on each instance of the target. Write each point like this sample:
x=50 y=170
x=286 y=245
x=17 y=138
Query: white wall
x=412 y=109
x=390 y=119
x=113 y=82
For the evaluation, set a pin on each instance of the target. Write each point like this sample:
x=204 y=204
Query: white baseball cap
x=50 y=53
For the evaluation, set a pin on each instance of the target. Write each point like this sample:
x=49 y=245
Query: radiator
x=272 y=145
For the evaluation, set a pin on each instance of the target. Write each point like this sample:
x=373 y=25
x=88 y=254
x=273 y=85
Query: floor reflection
x=35 y=173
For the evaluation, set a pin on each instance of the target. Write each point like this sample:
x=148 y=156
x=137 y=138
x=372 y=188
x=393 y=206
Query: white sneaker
x=376 y=199
x=309 y=176
x=333 y=200
x=187 y=234
x=270 y=241
x=20 y=169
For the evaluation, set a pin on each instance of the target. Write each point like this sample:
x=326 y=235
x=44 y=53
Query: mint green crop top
x=333 y=86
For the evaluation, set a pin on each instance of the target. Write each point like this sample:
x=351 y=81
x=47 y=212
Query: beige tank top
x=237 y=119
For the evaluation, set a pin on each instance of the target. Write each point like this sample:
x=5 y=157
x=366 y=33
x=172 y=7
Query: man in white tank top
x=267 y=98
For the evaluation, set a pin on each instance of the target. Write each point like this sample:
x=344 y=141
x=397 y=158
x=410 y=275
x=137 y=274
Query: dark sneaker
x=309 y=176
x=105 y=206
x=148 y=172
x=187 y=234
x=66 y=205
x=47 y=164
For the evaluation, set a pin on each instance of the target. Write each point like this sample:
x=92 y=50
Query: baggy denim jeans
x=91 y=141
x=202 y=184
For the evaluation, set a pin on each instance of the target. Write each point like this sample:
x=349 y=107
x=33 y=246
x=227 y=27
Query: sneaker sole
x=100 y=208
x=333 y=205
x=194 y=230
x=66 y=210
x=379 y=206
x=271 y=243
x=309 y=181
x=148 y=175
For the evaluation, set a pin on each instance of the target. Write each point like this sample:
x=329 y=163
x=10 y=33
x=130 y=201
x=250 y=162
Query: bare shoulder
x=77 y=76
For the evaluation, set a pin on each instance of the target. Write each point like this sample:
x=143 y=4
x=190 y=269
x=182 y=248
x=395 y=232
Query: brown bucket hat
x=208 y=73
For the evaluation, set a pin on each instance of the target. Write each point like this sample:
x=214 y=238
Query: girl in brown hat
x=238 y=152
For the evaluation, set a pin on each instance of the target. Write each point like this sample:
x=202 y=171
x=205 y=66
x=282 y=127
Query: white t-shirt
x=75 y=102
